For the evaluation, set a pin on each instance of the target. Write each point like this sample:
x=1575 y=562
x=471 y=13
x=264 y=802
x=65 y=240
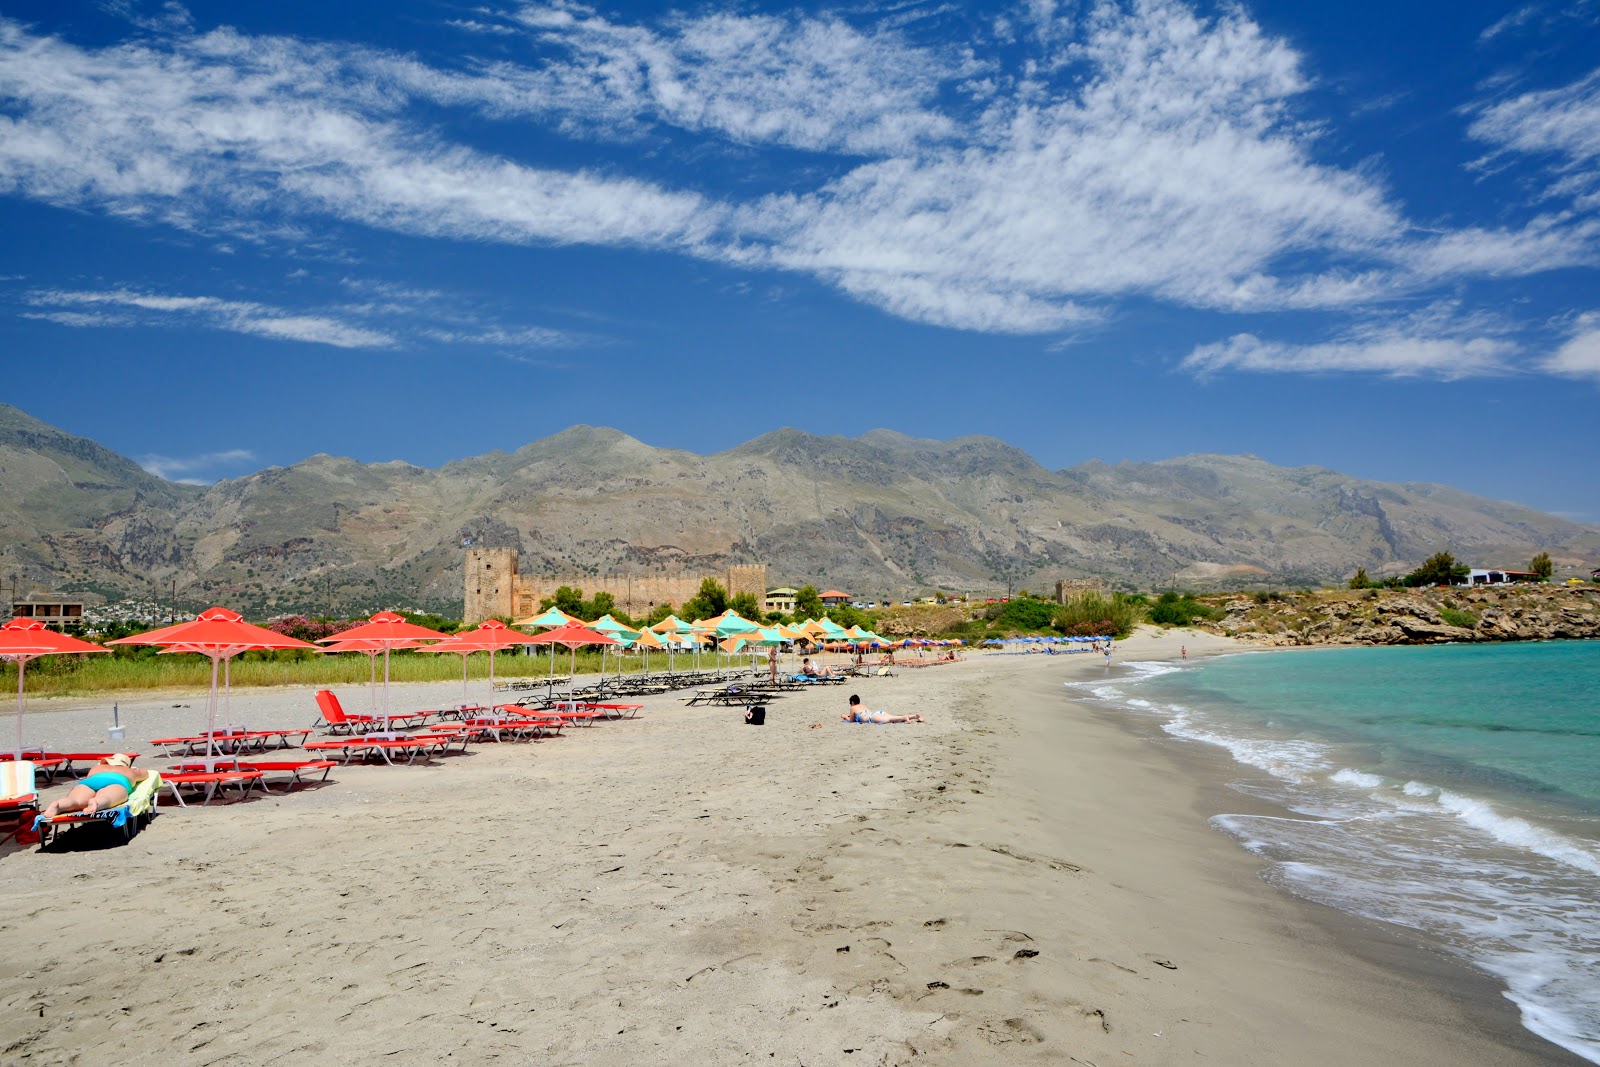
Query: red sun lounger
x=300 y=771
x=368 y=748
x=213 y=783
x=339 y=721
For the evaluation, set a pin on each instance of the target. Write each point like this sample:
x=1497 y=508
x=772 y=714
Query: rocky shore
x=1411 y=616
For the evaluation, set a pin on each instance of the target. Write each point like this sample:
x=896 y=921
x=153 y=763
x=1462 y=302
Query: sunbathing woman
x=811 y=670
x=106 y=786
x=859 y=713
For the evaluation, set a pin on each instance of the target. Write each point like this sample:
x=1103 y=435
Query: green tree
x=747 y=605
x=847 y=616
x=807 y=604
x=1542 y=566
x=602 y=604
x=568 y=599
x=1440 y=568
x=1361 y=581
x=657 y=614
x=710 y=601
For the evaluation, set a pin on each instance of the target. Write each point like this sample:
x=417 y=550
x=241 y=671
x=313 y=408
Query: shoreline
x=1406 y=955
x=1012 y=881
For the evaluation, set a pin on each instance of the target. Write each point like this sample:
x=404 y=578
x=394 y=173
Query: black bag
x=755 y=715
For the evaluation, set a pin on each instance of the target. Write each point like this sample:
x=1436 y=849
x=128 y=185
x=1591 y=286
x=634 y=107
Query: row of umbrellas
x=221 y=634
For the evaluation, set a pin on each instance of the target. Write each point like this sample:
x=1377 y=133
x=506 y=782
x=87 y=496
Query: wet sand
x=1020 y=880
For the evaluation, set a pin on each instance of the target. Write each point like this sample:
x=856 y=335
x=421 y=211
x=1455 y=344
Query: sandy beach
x=1019 y=880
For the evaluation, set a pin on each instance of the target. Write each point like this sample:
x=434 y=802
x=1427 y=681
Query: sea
x=1452 y=790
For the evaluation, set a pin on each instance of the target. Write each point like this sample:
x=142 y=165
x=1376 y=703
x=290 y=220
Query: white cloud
x=1436 y=342
x=1562 y=123
x=1579 y=357
x=119 y=307
x=1139 y=150
x=186 y=470
x=1511 y=21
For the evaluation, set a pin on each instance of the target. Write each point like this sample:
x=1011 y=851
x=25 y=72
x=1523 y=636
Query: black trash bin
x=755 y=715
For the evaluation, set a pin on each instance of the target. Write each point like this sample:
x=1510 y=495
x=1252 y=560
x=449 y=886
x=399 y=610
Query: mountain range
x=882 y=515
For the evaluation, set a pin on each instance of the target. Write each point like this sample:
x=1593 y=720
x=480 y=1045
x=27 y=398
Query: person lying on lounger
x=106 y=786
x=813 y=671
x=859 y=713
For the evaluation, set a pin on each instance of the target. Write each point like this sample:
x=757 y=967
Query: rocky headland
x=1410 y=616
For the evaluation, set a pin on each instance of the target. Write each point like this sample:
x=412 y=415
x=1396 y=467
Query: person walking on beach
x=1108 y=653
x=772 y=664
x=1183 y=651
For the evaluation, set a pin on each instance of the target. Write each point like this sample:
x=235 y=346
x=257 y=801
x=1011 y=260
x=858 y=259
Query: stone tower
x=748 y=578
x=491 y=583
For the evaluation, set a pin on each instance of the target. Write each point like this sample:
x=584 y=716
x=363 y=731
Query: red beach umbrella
x=25 y=639
x=572 y=635
x=490 y=636
x=391 y=631
x=370 y=649
x=218 y=634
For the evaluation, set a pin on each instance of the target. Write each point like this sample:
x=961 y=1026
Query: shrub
x=1026 y=614
x=1091 y=614
x=1175 y=610
x=1466 y=620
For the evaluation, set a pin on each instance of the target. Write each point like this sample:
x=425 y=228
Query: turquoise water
x=1452 y=790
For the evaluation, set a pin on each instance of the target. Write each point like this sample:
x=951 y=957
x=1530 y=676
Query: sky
x=1361 y=236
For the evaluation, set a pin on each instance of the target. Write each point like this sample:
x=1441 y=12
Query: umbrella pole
x=464 y=656
x=491 y=673
x=211 y=711
x=22 y=664
x=386 y=679
x=372 y=682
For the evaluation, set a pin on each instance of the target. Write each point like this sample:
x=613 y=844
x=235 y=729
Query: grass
x=66 y=676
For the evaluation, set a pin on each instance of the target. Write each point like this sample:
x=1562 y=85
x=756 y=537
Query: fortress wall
x=494 y=587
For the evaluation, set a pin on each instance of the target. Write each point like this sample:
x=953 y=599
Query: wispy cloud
x=1579 y=357
x=1437 y=342
x=1137 y=149
x=124 y=307
x=196 y=470
x=1510 y=21
x=1560 y=124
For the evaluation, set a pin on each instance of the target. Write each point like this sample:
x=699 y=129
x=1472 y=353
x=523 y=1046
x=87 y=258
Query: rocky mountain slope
x=880 y=515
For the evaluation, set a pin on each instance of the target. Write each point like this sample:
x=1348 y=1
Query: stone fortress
x=494 y=586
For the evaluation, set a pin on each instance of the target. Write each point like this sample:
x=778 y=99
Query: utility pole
x=174 y=603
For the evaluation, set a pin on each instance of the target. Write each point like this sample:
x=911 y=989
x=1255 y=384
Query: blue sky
x=1363 y=235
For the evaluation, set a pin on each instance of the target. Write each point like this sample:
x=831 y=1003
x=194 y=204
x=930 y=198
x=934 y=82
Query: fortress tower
x=491 y=583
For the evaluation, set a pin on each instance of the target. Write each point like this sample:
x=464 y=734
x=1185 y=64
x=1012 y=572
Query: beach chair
x=19 y=797
x=128 y=817
x=339 y=721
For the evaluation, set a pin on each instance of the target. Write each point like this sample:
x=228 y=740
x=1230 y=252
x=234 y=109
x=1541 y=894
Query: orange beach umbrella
x=218 y=634
x=25 y=639
x=392 y=631
x=490 y=636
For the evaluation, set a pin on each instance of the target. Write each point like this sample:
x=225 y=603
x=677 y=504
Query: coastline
x=1016 y=880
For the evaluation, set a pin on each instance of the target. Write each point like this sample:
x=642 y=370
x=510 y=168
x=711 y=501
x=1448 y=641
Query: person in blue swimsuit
x=859 y=713
x=107 y=785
